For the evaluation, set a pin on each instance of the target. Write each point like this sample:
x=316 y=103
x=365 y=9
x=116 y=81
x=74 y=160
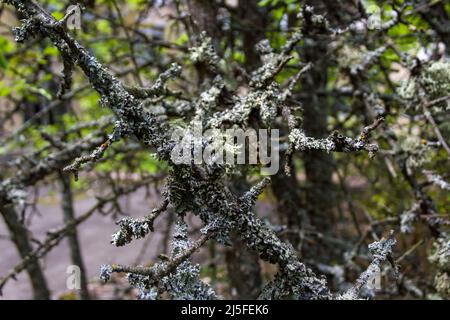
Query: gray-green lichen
x=130 y=229
x=184 y=283
x=13 y=192
x=381 y=251
x=435 y=79
x=437 y=180
x=440 y=257
x=205 y=53
x=407 y=219
x=415 y=151
x=441 y=253
x=358 y=60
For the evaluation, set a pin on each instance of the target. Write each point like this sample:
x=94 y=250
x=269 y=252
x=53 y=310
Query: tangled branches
x=211 y=190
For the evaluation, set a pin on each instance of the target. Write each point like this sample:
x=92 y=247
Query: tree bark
x=72 y=236
x=243 y=269
x=254 y=21
x=320 y=192
x=20 y=237
x=289 y=203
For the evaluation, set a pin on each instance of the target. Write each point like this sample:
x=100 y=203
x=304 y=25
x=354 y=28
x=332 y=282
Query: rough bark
x=289 y=203
x=252 y=31
x=243 y=269
x=320 y=199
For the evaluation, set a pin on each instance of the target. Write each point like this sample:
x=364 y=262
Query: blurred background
x=368 y=59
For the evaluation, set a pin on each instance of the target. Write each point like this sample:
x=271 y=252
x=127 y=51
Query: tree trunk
x=320 y=192
x=254 y=21
x=289 y=203
x=243 y=269
x=20 y=237
x=72 y=235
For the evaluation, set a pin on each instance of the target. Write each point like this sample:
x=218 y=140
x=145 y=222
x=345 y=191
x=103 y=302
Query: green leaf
x=41 y=91
x=3 y=62
x=264 y=3
x=183 y=39
x=103 y=26
x=51 y=51
x=4 y=89
x=58 y=15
